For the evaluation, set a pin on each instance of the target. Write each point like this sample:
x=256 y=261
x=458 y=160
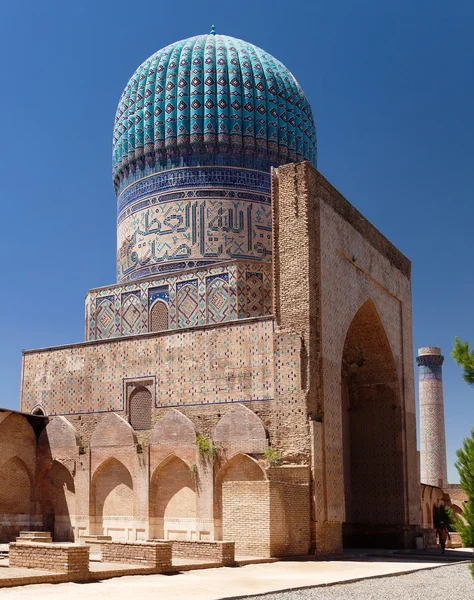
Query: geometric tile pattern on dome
x=192 y=367
x=210 y=99
x=227 y=215
x=123 y=309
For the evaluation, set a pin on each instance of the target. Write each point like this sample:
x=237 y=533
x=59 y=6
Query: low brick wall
x=456 y=541
x=61 y=558
x=221 y=552
x=156 y=555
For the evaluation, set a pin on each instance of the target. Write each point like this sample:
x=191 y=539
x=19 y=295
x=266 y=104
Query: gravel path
x=454 y=581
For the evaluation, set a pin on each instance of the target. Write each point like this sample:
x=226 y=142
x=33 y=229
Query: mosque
x=249 y=376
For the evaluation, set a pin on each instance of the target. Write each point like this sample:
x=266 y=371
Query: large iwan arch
x=372 y=427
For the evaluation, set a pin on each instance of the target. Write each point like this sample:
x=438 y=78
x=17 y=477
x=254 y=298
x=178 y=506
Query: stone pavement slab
x=224 y=582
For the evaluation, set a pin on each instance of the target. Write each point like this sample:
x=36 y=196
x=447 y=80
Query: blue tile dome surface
x=210 y=100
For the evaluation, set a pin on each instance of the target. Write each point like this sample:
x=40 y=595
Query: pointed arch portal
x=372 y=426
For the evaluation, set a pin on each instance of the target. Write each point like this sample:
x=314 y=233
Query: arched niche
x=112 y=499
x=140 y=408
x=58 y=496
x=241 y=430
x=244 y=469
x=17 y=439
x=16 y=498
x=372 y=433
x=58 y=433
x=173 y=429
x=111 y=431
x=159 y=316
x=173 y=500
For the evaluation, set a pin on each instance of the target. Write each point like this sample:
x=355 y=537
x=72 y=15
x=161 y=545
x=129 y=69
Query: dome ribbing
x=210 y=100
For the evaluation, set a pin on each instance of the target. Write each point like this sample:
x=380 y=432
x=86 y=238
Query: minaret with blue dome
x=197 y=129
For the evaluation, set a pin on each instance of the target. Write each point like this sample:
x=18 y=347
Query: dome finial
x=213 y=30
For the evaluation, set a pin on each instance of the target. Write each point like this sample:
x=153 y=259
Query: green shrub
x=446 y=515
x=272 y=456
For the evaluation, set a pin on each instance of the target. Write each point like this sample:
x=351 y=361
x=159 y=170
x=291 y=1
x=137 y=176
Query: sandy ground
x=213 y=584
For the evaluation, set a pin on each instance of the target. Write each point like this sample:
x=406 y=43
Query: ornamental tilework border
x=237 y=300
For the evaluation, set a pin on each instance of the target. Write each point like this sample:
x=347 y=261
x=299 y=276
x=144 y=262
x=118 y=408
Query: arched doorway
x=372 y=427
x=112 y=499
x=173 y=509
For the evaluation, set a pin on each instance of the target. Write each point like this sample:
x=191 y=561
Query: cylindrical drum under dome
x=197 y=129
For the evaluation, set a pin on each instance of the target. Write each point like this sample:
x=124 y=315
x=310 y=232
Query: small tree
x=465 y=467
x=444 y=514
x=465 y=358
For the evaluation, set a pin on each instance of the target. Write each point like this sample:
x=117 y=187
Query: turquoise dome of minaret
x=210 y=100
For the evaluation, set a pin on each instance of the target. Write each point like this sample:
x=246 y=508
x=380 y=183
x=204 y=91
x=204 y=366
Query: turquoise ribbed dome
x=210 y=100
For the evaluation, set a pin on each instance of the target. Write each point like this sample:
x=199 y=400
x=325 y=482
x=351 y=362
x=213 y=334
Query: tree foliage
x=465 y=358
x=465 y=467
x=444 y=514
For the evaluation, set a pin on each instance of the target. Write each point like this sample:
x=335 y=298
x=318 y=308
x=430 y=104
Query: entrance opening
x=372 y=436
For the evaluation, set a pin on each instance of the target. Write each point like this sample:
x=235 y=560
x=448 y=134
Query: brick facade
x=63 y=558
x=220 y=552
x=156 y=555
x=264 y=431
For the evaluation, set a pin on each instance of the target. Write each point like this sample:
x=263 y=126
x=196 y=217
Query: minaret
x=432 y=434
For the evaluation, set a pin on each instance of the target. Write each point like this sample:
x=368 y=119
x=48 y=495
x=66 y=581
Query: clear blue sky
x=392 y=90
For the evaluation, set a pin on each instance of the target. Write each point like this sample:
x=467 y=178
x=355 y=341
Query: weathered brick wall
x=290 y=514
x=152 y=554
x=267 y=518
x=296 y=474
x=63 y=558
x=188 y=367
x=328 y=538
x=221 y=552
x=246 y=516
